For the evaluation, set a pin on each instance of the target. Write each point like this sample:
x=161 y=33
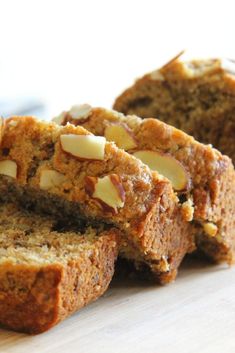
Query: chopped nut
x=80 y=112
x=8 y=168
x=166 y=165
x=60 y=118
x=210 y=228
x=84 y=146
x=13 y=123
x=50 y=179
x=157 y=76
x=121 y=135
x=108 y=191
x=228 y=66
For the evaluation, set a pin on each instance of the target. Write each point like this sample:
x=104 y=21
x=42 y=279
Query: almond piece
x=12 y=123
x=8 y=168
x=210 y=229
x=84 y=146
x=228 y=66
x=121 y=135
x=107 y=190
x=59 y=119
x=157 y=76
x=50 y=179
x=80 y=112
x=166 y=165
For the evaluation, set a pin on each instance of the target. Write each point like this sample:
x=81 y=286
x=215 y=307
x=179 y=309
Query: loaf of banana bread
x=203 y=178
x=67 y=171
x=196 y=96
x=47 y=271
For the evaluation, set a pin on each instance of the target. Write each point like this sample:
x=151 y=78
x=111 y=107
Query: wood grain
x=196 y=314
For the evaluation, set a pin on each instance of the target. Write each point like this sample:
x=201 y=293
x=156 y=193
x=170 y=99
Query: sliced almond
x=60 y=118
x=12 y=122
x=107 y=190
x=80 y=112
x=121 y=135
x=210 y=228
x=50 y=179
x=166 y=165
x=157 y=76
x=84 y=146
x=9 y=168
x=228 y=66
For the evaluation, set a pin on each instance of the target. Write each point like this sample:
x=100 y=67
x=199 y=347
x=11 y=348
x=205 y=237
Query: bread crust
x=197 y=96
x=149 y=198
x=211 y=174
x=34 y=297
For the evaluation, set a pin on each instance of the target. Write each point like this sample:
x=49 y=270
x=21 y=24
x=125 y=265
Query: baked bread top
x=197 y=96
x=202 y=177
x=68 y=171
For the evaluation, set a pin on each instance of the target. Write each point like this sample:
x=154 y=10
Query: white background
x=67 y=52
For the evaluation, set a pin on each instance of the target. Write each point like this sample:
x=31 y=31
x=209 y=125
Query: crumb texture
x=204 y=179
x=46 y=275
x=104 y=184
x=197 y=97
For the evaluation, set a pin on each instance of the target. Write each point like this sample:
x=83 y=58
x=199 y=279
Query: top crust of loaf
x=209 y=197
x=35 y=144
x=197 y=96
x=146 y=207
x=213 y=70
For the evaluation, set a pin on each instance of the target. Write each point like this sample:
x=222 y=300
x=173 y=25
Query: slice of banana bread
x=47 y=274
x=203 y=178
x=67 y=171
x=196 y=96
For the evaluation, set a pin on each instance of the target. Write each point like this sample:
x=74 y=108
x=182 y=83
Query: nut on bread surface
x=197 y=96
x=202 y=177
x=112 y=187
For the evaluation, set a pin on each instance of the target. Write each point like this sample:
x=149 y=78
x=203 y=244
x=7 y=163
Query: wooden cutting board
x=196 y=314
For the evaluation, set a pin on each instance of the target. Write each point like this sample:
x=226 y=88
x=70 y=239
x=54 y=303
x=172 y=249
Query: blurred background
x=58 y=53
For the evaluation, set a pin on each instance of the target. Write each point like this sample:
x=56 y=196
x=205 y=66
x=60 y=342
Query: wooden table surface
x=196 y=314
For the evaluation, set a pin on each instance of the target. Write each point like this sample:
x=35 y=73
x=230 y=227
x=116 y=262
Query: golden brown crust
x=39 y=289
x=211 y=174
x=196 y=96
x=39 y=144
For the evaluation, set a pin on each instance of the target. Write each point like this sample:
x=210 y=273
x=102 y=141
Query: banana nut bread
x=196 y=96
x=203 y=178
x=67 y=171
x=46 y=273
